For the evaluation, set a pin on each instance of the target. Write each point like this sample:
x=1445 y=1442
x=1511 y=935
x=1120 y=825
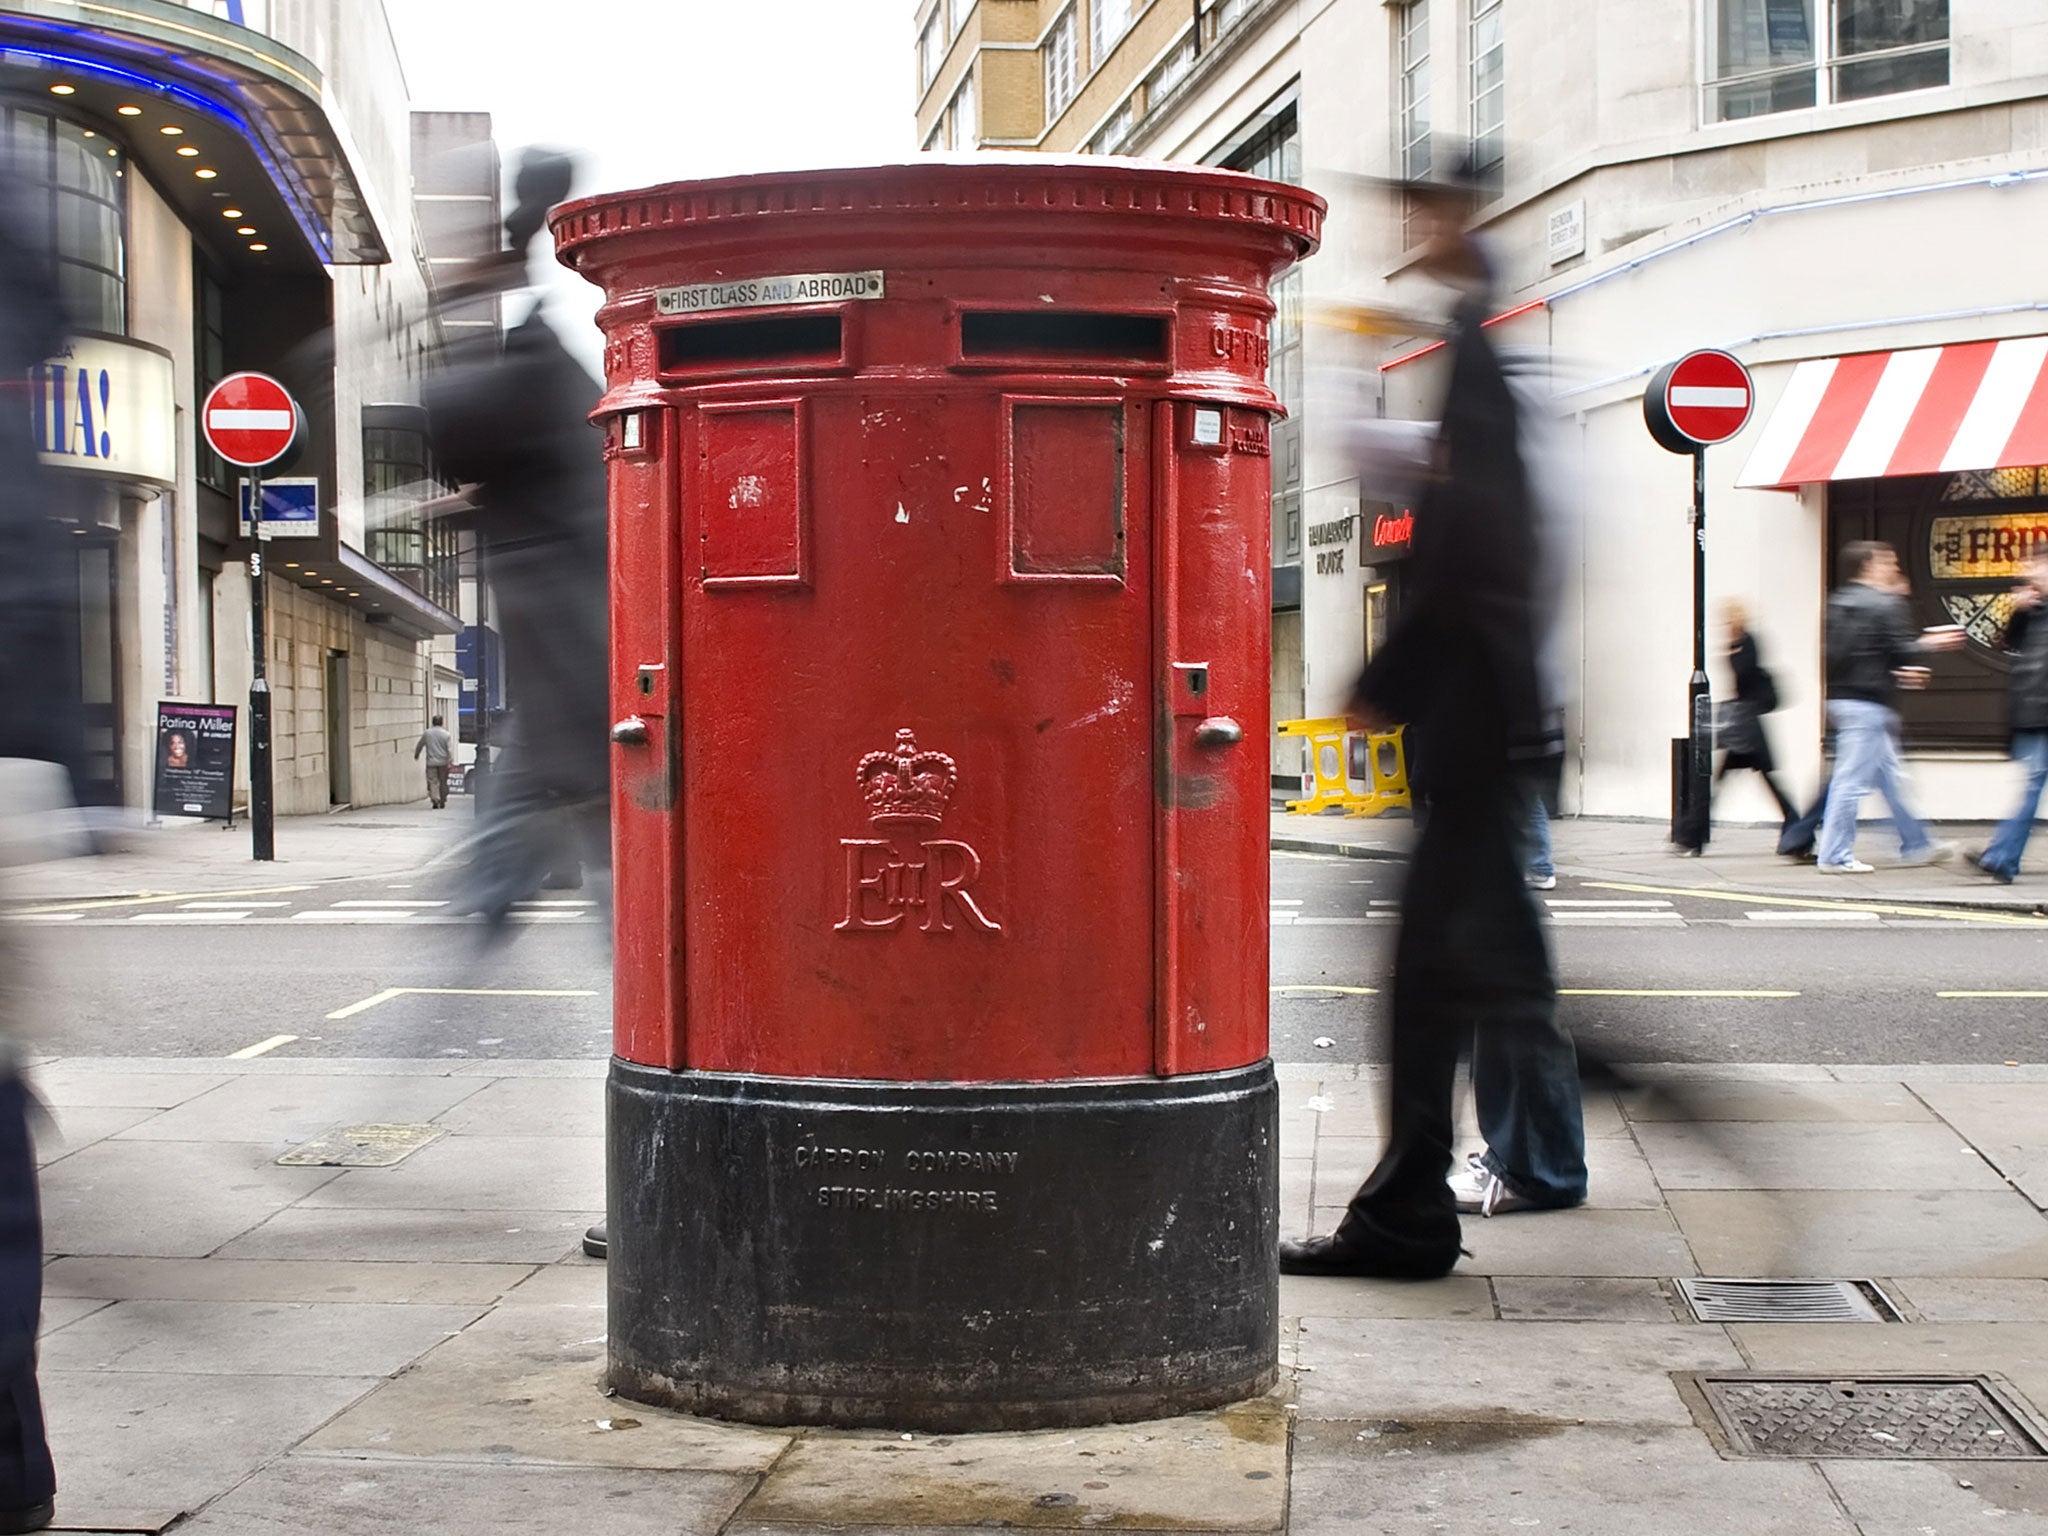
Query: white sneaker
x=1543 y=882
x=1479 y=1192
x=1853 y=867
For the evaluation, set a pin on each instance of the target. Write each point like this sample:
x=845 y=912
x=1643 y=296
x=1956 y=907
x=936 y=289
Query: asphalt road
x=384 y=968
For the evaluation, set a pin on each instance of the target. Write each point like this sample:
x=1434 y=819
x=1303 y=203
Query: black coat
x=517 y=424
x=1461 y=666
x=41 y=715
x=2026 y=637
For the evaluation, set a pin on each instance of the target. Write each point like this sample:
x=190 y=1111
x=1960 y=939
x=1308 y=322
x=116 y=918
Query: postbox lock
x=630 y=732
x=1218 y=731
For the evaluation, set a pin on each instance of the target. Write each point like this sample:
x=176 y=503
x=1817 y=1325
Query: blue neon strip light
x=296 y=198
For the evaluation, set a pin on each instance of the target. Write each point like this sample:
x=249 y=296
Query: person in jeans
x=1871 y=649
x=1463 y=669
x=2026 y=638
x=440 y=752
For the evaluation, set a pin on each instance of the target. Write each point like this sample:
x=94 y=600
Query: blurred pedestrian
x=1872 y=653
x=512 y=424
x=439 y=749
x=42 y=745
x=2026 y=640
x=1462 y=669
x=1741 y=727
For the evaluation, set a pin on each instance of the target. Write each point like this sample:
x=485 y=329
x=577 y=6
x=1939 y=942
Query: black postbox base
x=942 y=1257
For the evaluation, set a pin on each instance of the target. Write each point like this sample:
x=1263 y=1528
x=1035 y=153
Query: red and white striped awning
x=1933 y=410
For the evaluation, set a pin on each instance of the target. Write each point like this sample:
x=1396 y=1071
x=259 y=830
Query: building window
x=397 y=481
x=1489 y=90
x=1110 y=136
x=1062 y=70
x=1275 y=154
x=965 y=115
x=929 y=52
x=1413 y=149
x=210 y=365
x=1171 y=70
x=1108 y=21
x=1783 y=55
x=72 y=208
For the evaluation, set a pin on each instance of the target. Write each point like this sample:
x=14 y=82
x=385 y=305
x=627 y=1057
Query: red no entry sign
x=1702 y=399
x=249 y=419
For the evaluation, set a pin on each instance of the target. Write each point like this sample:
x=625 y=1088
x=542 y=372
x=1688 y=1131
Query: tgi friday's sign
x=767 y=292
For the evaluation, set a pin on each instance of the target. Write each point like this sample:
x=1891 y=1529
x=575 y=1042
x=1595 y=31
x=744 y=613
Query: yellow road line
x=249 y=1051
x=1990 y=994
x=1319 y=987
x=390 y=992
x=1883 y=909
x=158 y=900
x=1670 y=992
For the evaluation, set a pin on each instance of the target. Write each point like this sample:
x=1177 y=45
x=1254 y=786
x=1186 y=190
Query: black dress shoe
x=1386 y=1257
x=36 y=1517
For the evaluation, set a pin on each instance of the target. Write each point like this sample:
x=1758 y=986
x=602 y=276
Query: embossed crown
x=904 y=784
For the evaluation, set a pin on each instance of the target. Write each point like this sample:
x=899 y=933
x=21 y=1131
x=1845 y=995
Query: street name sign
x=250 y=420
x=1704 y=398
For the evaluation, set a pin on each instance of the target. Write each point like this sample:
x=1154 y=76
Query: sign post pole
x=1704 y=398
x=262 y=826
x=251 y=421
x=1697 y=796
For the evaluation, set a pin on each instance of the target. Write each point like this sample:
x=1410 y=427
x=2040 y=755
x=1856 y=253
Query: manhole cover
x=360 y=1146
x=1787 y=1301
x=1885 y=1418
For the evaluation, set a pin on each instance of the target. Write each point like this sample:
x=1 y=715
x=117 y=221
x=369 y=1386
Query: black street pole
x=261 y=825
x=1699 y=757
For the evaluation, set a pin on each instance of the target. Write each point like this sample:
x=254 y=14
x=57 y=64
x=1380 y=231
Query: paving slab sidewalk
x=202 y=858
x=235 y=1346
x=1738 y=859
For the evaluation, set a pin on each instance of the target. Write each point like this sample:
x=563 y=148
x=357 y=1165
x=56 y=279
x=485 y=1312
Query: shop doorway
x=95 y=648
x=337 y=729
x=1377 y=617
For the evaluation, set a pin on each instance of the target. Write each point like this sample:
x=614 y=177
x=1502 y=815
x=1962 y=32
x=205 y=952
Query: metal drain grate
x=1883 y=1419
x=1787 y=1301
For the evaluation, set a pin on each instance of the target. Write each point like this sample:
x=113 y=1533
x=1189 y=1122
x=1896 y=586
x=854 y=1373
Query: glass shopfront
x=71 y=203
x=1962 y=541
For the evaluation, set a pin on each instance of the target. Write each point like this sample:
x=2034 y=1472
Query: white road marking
x=328 y=915
x=189 y=917
x=372 y=905
x=227 y=906
x=390 y=992
x=47 y=917
x=249 y=1052
x=521 y=905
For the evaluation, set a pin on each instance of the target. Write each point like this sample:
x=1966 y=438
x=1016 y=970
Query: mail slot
x=940 y=1096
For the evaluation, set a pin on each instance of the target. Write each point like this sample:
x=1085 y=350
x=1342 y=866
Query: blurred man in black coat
x=41 y=722
x=1462 y=671
x=513 y=425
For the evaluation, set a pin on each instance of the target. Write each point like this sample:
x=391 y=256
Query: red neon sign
x=1388 y=531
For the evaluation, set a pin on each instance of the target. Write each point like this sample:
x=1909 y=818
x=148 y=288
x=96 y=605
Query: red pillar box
x=940 y=542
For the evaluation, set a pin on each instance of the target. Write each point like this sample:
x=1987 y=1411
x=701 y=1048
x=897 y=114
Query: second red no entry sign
x=249 y=419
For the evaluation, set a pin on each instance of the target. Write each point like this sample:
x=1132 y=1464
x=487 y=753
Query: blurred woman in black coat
x=1741 y=729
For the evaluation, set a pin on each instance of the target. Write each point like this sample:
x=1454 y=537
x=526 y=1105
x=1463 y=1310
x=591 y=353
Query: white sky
x=667 y=90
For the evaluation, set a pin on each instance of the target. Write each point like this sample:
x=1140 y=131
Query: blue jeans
x=1539 y=842
x=1525 y=1089
x=1525 y=1083
x=2030 y=750
x=1866 y=758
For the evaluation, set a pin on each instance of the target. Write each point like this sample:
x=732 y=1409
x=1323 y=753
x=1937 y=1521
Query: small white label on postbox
x=761 y=292
x=1208 y=429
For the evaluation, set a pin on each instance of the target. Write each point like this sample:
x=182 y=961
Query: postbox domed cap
x=953 y=186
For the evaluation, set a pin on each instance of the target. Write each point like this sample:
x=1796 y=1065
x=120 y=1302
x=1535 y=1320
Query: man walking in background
x=440 y=752
x=2026 y=640
x=1872 y=653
